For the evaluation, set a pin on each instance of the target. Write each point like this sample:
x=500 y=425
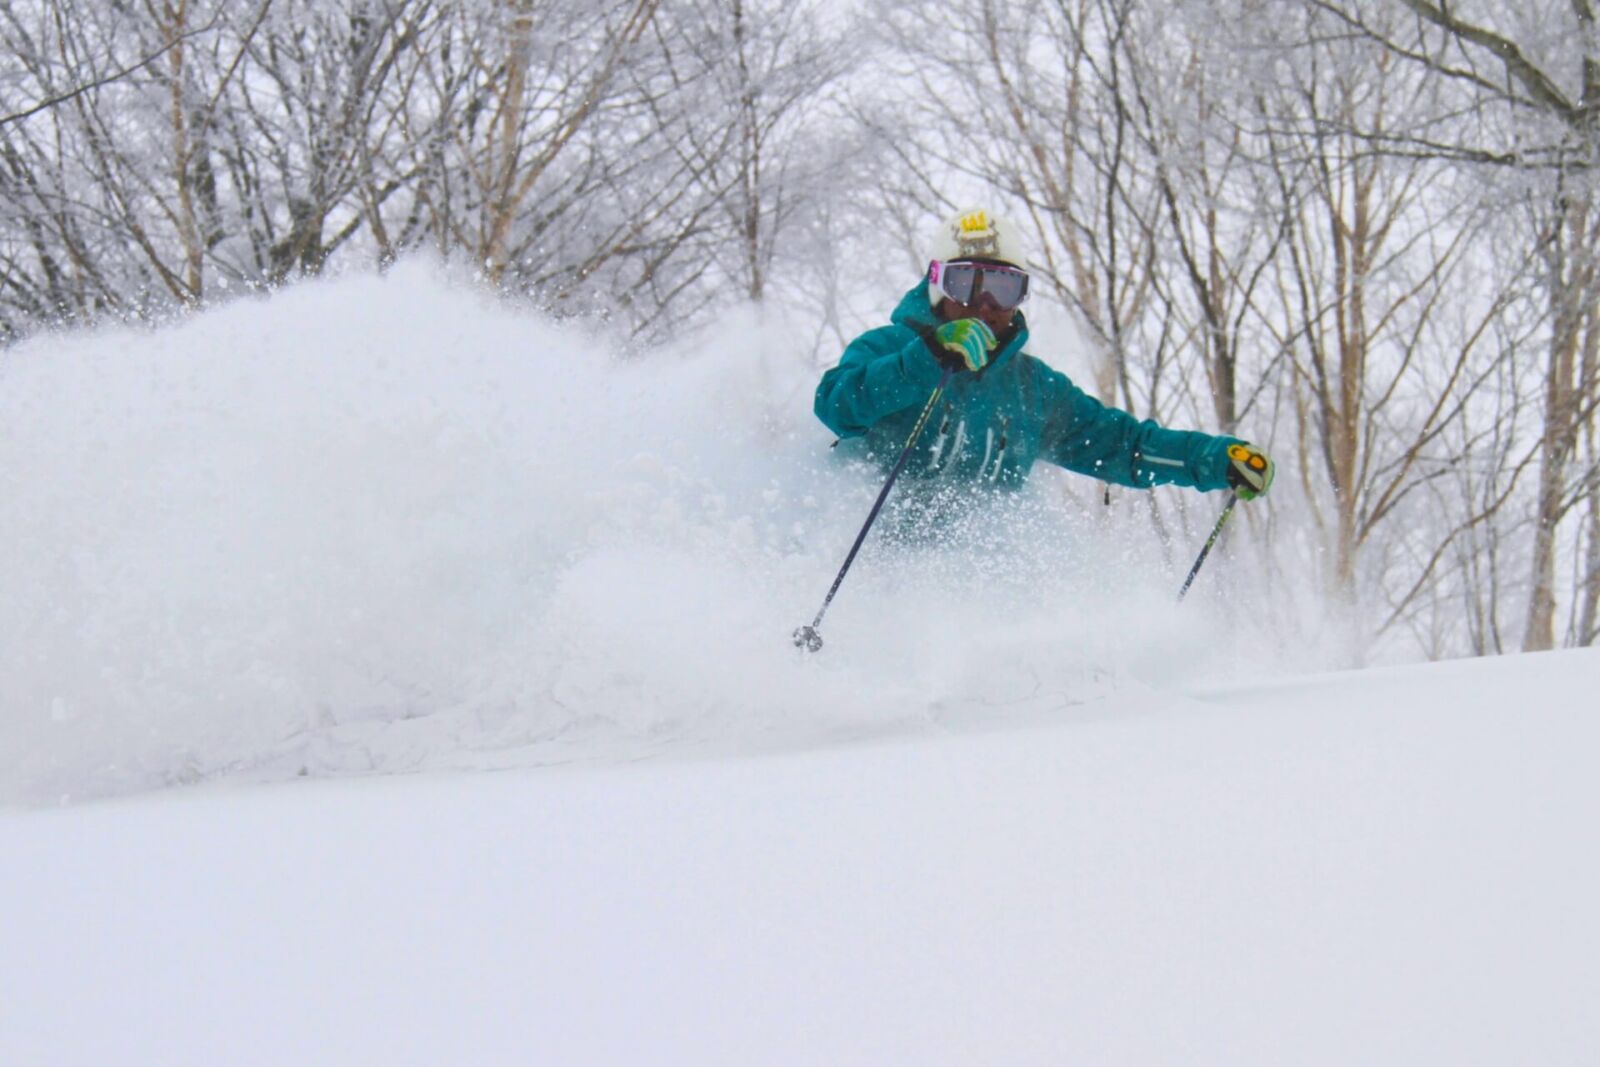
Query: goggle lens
x=965 y=283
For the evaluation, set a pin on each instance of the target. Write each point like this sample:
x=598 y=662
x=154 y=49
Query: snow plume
x=384 y=524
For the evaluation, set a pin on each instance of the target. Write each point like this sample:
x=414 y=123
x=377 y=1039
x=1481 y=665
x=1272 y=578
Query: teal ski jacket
x=992 y=426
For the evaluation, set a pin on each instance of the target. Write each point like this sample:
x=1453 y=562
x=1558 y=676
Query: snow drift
x=380 y=524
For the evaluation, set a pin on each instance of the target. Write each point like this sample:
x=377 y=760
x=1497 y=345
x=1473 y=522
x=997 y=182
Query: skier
x=1002 y=409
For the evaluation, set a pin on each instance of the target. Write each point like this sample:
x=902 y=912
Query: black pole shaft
x=807 y=636
x=1216 y=532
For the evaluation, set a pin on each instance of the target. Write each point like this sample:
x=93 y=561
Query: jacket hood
x=914 y=312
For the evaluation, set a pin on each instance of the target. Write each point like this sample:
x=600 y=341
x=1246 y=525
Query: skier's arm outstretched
x=1084 y=435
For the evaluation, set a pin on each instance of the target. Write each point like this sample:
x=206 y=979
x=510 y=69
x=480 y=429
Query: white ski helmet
x=976 y=233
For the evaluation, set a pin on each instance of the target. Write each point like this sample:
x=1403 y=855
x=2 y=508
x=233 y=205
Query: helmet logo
x=975 y=237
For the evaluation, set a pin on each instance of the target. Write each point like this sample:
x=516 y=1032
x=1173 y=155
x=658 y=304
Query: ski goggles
x=965 y=283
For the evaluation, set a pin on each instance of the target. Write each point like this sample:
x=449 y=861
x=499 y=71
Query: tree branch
x=56 y=101
x=1534 y=80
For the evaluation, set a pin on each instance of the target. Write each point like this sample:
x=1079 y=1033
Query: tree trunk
x=1571 y=278
x=182 y=156
x=1589 y=589
x=506 y=144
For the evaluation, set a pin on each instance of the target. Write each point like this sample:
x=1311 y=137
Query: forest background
x=1363 y=234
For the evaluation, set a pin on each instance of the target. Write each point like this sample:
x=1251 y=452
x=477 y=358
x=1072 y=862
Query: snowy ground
x=1393 y=866
x=276 y=577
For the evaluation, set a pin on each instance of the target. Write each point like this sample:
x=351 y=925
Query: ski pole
x=808 y=637
x=1216 y=532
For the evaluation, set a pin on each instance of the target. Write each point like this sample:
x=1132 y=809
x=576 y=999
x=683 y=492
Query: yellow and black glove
x=1250 y=470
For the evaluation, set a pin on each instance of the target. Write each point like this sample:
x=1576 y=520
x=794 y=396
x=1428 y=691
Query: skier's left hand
x=1250 y=470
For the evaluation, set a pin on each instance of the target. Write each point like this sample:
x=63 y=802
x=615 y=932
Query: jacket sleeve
x=881 y=372
x=1084 y=435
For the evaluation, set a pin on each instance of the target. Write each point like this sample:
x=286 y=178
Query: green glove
x=1249 y=470
x=968 y=343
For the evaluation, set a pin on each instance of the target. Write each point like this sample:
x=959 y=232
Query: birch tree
x=1530 y=75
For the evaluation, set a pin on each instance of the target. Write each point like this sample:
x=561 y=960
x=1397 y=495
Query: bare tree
x=751 y=107
x=540 y=73
x=1400 y=336
x=1531 y=74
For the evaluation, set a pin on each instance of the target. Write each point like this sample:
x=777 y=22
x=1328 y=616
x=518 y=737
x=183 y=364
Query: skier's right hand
x=964 y=344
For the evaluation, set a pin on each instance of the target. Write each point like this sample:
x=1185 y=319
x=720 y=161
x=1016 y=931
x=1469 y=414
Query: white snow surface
x=1021 y=809
x=1391 y=866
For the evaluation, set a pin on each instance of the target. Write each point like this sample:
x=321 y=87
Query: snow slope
x=1011 y=814
x=1393 y=866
